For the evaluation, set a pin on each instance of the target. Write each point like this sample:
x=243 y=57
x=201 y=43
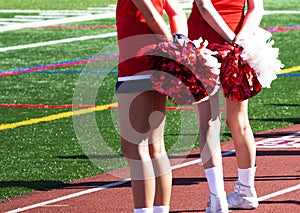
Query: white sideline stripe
x=42 y=11
x=271 y=12
x=21 y=20
x=57 y=21
x=40 y=44
x=70 y=196
x=88 y=191
x=281 y=192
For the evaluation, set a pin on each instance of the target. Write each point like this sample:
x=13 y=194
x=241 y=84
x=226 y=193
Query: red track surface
x=278 y=169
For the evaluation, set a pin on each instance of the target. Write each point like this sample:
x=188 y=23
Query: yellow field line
x=55 y=116
x=288 y=70
x=85 y=111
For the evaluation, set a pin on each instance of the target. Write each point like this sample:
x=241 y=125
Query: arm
x=153 y=18
x=215 y=20
x=177 y=17
x=252 y=19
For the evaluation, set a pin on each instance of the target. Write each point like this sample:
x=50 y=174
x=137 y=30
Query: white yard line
x=88 y=191
x=56 y=21
x=281 y=192
x=185 y=5
x=61 y=41
x=271 y=12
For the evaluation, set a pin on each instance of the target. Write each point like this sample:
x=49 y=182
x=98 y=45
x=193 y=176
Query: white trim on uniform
x=135 y=77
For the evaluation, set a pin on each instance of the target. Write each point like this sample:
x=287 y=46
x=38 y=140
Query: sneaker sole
x=243 y=207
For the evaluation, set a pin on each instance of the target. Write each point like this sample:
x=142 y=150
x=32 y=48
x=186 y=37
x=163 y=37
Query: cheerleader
x=225 y=22
x=142 y=111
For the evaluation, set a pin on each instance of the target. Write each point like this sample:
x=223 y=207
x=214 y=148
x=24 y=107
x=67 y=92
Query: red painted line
x=43 y=106
x=76 y=27
x=68 y=106
x=181 y=108
x=55 y=65
x=281 y=29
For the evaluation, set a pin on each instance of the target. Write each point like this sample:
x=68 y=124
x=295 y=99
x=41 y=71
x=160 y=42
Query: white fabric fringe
x=261 y=56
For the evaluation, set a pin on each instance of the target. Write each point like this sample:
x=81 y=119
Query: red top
x=133 y=33
x=232 y=11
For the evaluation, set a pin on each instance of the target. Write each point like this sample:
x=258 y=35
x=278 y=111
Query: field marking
x=55 y=117
x=271 y=12
x=56 y=65
x=281 y=192
x=88 y=191
x=185 y=6
x=280 y=142
x=289 y=70
x=50 y=11
x=69 y=106
x=87 y=109
x=57 y=21
x=60 y=41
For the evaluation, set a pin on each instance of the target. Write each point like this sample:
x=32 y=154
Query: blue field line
x=76 y=72
x=289 y=75
x=59 y=64
x=114 y=72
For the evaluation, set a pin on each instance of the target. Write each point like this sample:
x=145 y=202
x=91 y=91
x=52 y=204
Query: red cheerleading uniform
x=239 y=81
x=231 y=11
x=133 y=34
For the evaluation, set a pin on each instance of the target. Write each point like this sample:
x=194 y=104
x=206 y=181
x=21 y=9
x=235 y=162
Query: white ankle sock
x=215 y=180
x=143 y=210
x=161 y=209
x=246 y=176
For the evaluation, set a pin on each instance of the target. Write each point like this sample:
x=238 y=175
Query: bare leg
x=209 y=128
x=238 y=123
x=142 y=118
x=244 y=195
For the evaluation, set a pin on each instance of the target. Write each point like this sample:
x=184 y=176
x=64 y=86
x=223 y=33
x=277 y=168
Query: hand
x=182 y=40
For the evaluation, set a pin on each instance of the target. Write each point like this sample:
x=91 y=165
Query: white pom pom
x=261 y=56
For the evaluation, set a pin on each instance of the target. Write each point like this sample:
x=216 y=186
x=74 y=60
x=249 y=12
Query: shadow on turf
x=284 y=105
x=297 y=202
x=189 y=156
x=50 y=185
x=290 y=120
x=118 y=156
x=267 y=178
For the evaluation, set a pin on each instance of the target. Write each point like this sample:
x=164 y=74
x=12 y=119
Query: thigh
x=141 y=117
x=209 y=111
x=236 y=113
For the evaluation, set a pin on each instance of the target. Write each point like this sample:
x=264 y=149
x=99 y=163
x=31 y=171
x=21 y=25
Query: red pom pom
x=180 y=74
x=239 y=81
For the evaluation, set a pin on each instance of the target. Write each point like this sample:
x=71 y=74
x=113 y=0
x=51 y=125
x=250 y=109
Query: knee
x=134 y=151
x=238 y=127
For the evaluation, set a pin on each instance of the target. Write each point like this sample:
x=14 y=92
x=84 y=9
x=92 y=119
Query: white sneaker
x=243 y=197
x=217 y=204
